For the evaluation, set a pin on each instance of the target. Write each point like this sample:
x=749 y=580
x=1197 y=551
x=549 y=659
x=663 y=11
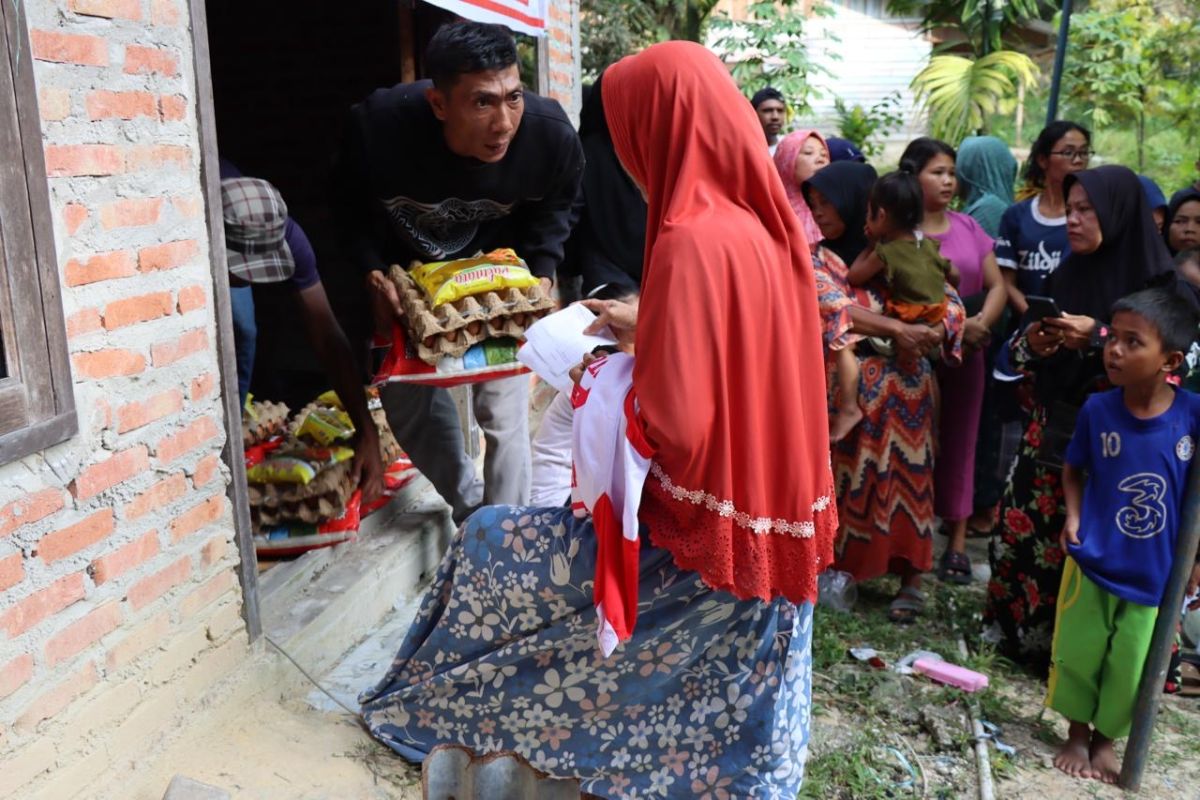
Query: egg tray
x=321 y=499
x=267 y=420
x=452 y=328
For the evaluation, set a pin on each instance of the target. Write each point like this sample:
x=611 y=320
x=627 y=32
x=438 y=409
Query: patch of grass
x=861 y=771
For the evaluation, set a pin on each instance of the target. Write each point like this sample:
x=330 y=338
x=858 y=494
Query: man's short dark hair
x=765 y=94
x=1172 y=316
x=459 y=48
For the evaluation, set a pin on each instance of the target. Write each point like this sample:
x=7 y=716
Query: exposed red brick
x=12 y=571
x=83 y=322
x=143 y=308
x=209 y=591
x=100 y=267
x=112 y=9
x=120 y=105
x=110 y=363
x=172 y=107
x=147 y=590
x=167 y=256
x=187 y=205
x=69 y=48
x=73 y=538
x=123 y=559
x=30 y=508
x=15 y=674
x=54 y=103
x=143 y=157
x=142 y=60
x=140 y=638
x=206 y=470
x=192 y=298
x=41 y=604
x=74 y=215
x=164 y=12
x=52 y=702
x=214 y=550
x=195 y=434
x=202 y=387
x=115 y=469
x=163 y=493
x=72 y=160
x=131 y=213
x=197 y=517
x=164 y=353
x=143 y=412
x=78 y=636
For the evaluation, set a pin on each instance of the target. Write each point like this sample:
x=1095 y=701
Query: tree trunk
x=1141 y=141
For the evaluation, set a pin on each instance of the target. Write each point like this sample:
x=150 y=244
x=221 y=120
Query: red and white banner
x=523 y=16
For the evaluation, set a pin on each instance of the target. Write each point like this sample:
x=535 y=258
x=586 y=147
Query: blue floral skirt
x=709 y=699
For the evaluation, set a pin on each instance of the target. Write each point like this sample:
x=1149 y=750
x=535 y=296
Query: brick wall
x=563 y=33
x=119 y=601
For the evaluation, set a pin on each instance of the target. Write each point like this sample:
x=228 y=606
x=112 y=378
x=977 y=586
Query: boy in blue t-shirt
x=1123 y=483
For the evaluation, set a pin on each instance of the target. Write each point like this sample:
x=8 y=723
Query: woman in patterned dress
x=710 y=696
x=1115 y=250
x=884 y=468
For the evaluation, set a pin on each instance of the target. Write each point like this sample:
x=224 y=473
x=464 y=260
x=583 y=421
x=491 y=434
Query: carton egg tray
x=451 y=328
x=321 y=499
x=263 y=421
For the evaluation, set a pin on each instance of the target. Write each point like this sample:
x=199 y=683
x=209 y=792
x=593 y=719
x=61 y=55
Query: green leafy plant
x=869 y=127
x=982 y=24
x=961 y=93
x=768 y=48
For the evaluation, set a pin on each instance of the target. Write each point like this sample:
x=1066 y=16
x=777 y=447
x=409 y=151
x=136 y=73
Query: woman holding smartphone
x=1115 y=250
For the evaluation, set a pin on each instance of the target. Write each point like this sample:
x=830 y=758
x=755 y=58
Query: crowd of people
x=966 y=332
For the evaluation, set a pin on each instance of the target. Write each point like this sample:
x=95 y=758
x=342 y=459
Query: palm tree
x=961 y=93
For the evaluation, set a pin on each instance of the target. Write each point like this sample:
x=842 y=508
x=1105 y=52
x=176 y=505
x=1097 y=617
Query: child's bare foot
x=842 y=422
x=1073 y=757
x=1105 y=764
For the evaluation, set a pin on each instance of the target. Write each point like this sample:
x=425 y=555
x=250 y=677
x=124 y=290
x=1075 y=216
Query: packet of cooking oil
x=447 y=281
x=326 y=426
x=281 y=469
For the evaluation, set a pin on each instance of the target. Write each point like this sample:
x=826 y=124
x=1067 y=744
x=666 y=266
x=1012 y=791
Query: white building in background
x=868 y=54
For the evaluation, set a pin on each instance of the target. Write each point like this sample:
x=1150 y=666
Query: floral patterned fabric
x=884 y=468
x=709 y=699
x=1025 y=557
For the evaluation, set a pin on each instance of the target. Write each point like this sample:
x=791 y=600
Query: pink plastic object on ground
x=952 y=675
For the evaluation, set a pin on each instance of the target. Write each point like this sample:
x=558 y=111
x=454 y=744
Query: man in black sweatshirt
x=442 y=169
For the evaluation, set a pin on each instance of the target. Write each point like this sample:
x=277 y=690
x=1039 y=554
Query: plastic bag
x=837 y=590
x=485 y=361
x=447 y=281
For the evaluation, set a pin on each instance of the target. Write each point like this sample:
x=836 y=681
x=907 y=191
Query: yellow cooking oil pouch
x=447 y=281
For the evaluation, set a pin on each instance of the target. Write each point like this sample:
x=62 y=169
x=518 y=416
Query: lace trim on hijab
x=725 y=508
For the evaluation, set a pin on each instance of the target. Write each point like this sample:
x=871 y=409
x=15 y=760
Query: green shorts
x=1100 y=647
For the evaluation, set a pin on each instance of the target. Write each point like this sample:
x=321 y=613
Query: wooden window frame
x=37 y=404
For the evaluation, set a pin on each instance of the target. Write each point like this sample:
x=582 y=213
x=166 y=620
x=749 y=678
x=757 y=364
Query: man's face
x=481 y=112
x=771 y=114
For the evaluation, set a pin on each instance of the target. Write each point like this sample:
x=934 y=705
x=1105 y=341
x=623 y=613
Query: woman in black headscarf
x=838 y=193
x=609 y=240
x=1115 y=250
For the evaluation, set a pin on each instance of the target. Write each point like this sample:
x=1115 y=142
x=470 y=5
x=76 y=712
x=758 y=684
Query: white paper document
x=556 y=343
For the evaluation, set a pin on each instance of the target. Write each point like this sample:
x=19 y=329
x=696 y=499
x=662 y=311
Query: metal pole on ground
x=1060 y=53
x=1159 y=658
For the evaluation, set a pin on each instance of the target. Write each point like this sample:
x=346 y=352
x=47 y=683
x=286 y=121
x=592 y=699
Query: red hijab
x=786 y=154
x=729 y=376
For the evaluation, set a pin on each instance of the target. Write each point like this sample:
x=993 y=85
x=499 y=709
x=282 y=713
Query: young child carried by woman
x=913 y=268
x=1123 y=480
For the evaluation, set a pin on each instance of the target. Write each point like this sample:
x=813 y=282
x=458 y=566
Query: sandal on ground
x=907 y=606
x=955 y=567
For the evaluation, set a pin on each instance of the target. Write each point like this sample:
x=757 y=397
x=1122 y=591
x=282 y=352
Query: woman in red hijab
x=710 y=692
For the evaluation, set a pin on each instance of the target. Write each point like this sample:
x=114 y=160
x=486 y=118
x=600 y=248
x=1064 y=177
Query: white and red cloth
x=611 y=463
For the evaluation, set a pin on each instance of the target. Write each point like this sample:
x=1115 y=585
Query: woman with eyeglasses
x=1033 y=232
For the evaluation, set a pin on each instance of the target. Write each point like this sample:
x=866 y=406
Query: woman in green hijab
x=987 y=170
